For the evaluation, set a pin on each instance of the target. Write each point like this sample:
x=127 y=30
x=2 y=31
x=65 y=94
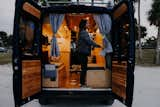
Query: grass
x=148 y=57
x=5 y=58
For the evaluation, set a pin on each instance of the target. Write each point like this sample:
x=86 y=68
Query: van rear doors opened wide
x=27 y=77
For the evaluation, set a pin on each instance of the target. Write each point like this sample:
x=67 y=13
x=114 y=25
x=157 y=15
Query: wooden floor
x=73 y=81
x=73 y=84
x=63 y=81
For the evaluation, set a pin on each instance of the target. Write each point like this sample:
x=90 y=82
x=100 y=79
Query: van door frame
x=17 y=61
x=131 y=57
x=131 y=61
x=16 y=56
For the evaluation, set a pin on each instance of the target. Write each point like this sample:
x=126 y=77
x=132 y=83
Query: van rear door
x=123 y=60
x=26 y=52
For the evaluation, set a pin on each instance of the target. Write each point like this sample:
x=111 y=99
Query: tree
x=139 y=31
x=3 y=36
x=143 y=31
x=154 y=18
x=9 y=41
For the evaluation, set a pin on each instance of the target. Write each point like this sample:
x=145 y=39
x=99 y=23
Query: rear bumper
x=76 y=93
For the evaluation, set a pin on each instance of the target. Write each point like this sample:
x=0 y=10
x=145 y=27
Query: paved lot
x=146 y=91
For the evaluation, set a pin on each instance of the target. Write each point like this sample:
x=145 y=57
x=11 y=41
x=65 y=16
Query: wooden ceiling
x=73 y=20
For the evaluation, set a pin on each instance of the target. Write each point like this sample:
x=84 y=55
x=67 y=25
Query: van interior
x=68 y=65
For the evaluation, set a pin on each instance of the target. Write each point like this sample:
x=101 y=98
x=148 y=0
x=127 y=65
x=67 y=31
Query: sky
x=7 y=16
x=145 y=7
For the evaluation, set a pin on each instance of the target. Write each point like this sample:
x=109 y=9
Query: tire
x=108 y=101
x=43 y=101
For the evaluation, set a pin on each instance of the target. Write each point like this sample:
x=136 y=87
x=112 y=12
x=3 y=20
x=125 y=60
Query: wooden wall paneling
x=62 y=76
x=60 y=80
x=31 y=77
x=99 y=40
x=65 y=58
x=119 y=78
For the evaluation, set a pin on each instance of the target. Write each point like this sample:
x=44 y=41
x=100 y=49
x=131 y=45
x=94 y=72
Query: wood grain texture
x=32 y=10
x=120 y=11
x=65 y=58
x=102 y=79
x=60 y=80
x=119 y=76
x=31 y=77
x=99 y=78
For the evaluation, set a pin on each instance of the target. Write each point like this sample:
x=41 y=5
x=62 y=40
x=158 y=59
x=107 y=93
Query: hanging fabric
x=55 y=21
x=54 y=47
x=104 y=23
x=107 y=45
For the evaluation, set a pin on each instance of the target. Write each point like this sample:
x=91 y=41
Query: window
x=27 y=37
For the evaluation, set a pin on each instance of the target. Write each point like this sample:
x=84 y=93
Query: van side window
x=120 y=47
x=27 y=36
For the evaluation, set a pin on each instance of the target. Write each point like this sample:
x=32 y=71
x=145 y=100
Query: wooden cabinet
x=98 y=77
x=60 y=78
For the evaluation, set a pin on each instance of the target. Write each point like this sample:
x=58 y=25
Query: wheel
x=43 y=101
x=108 y=101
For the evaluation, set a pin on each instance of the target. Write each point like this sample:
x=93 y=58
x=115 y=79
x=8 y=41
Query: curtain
x=55 y=21
x=104 y=23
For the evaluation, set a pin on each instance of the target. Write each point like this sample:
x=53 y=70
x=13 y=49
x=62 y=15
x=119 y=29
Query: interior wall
x=99 y=40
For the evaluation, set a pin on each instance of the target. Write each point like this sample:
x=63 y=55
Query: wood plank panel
x=120 y=11
x=32 y=10
x=65 y=58
x=119 y=78
x=98 y=78
x=60 y=80
x=119 y=90
x=31 y=77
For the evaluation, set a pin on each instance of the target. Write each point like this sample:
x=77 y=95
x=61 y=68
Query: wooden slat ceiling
x=73 y=21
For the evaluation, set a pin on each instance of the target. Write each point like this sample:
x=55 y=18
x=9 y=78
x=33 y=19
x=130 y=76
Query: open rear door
x=26 y=52
x=124 y=53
